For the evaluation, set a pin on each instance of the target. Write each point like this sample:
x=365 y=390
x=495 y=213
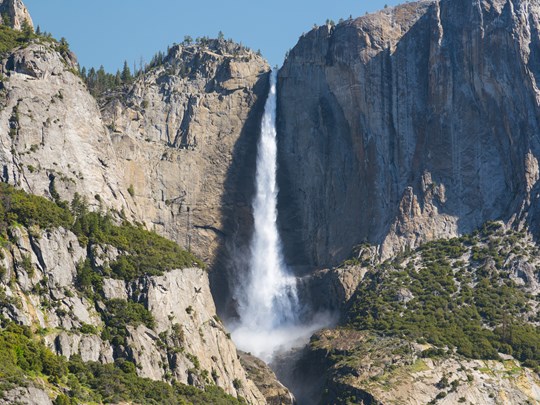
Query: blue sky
x=108 y=32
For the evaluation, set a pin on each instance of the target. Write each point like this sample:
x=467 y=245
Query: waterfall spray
x=267 y=299
x=270 y=300
x=268 y=303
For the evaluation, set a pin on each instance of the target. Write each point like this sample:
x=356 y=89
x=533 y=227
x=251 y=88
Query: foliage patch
x=24 y=359
x=454 y=293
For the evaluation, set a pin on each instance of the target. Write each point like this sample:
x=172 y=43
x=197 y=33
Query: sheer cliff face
x=176 y=152
x=414 y=123
x=185 y=135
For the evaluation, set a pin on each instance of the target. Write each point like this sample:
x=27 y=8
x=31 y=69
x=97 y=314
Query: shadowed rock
x=414 y=123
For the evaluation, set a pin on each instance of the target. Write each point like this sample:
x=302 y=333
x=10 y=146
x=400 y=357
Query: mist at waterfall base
x=270 y=314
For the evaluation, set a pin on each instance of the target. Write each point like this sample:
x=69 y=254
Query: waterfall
x=267 y=300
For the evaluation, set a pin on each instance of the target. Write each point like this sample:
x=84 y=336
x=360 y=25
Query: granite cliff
x=413 y=123
x=15 y=14
x=405 y=126
x=175 y=150
x=160 y=153
x=185 y=134
x=172 y=150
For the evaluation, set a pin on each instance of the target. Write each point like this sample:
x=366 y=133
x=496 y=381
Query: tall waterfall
x=267 y=302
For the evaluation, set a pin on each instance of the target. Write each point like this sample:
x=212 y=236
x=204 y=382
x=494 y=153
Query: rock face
x=330 y=289
x=188 y=342
x=52 y=139
x=16 y=12
x=262 y=375
x=183 y=308
x=176 y=151
x=185 y=135
x=364 y=369
x=27 y=395
x=414 y=123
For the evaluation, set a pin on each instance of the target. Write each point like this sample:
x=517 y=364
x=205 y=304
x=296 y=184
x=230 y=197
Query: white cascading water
x=267 y=300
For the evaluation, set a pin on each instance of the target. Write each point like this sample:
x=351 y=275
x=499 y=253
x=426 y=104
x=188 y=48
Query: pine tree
x=101 y=81
x=64 y=46
x=126 y=76
x=27 y=30
x=157 y=59
x=142 y=66
x=188 y=40
x=118 y=78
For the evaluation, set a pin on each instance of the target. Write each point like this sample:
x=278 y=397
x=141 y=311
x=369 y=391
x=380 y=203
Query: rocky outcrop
x=185 y=135
x=368 y=369
x=183 y=309
x=89 y=346
x=188 y=342
x=52 y=139
x=27 y=395
x=410 y=124
x=14 y=14
x=38 y=281
x=330 y=289
x=262 y=375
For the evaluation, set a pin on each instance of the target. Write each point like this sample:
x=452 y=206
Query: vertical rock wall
x=414 y=123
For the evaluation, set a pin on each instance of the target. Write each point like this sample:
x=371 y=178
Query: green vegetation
x=18 y=207
x=99 y=81
x=237 y=383
x=88 y=280
x=24 y=359
x=119 y=314
x=11 y=39
x=453 y=293
x=142 y=252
